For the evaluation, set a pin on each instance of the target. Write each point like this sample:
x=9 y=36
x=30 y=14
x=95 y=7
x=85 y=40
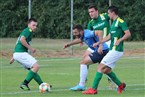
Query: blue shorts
x=96 y=57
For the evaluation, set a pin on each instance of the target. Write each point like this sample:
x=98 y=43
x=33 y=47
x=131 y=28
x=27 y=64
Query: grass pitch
x=63 y=73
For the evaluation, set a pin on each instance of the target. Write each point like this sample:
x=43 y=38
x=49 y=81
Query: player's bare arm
x=126 y=36
x=75 y=41
x=107 y=38
x=99 y=33
x=24 y=43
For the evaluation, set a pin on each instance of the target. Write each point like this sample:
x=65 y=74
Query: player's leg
x=83 y=73
x=94 y=57
x=107 y=70
x=28 y=62
x=110 y=62
x=87 y=52
x=111 y=83
x=91 y=58
x=84 y=69
x=37 y=78
x=97 y=78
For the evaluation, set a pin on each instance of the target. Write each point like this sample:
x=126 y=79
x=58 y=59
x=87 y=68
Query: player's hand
x=117 y=42
x=32 y=50
x=81 y=44
x=95 y=44
x=65 y=46
x=100 y=51
x=11 y=60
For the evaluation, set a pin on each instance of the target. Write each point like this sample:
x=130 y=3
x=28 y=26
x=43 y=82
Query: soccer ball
x=44 y=87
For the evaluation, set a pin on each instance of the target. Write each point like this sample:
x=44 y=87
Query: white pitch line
x=59 y=59
x=11 y=66
x=27 y=92
x=69 y=59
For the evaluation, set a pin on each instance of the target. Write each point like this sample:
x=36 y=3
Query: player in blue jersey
x=89 y=37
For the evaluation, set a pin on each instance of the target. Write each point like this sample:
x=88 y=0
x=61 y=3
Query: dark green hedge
x=54 y=16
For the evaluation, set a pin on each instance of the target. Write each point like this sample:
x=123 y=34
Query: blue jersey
x=90 y=38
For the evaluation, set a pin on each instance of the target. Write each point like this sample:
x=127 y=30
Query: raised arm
x=75 y=41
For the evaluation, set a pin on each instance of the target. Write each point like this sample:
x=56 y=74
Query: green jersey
x=100 y=23
x=117 y=31
x=27 y=33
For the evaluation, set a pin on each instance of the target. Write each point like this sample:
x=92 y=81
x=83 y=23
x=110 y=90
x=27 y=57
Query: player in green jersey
x=22 y=56
x=118 y=33
x=98 y=20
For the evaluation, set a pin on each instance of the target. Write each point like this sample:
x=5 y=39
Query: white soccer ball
x=44 y=87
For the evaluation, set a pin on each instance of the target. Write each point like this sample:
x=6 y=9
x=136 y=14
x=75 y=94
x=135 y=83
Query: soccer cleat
x=121 y=88
x=90 y=91
x=24 y=87
x=78 y=88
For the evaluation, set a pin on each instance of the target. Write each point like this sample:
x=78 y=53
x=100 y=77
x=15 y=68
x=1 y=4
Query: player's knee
x=86 y=61
x=82 y=62
x=35 y=67
x=106 y=70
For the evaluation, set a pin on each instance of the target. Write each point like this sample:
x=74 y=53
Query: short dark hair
x=78 y=27
x=93 y=6
x=32 y=19
x=113 y=9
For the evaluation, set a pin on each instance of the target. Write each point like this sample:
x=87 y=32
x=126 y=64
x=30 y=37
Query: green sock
x=29 y=77
x=97 y=80
x=37 y=78
x=114 y=78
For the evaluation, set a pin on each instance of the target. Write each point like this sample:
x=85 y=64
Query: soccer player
x=22 y=56
x=99 y=21
x=118 y=33
x=89 y=37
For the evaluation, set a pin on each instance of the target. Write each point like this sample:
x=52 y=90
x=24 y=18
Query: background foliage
x=54 y=16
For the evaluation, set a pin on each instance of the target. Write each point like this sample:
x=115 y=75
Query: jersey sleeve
x=123 y=25
x=25 y=33
x=105 y=15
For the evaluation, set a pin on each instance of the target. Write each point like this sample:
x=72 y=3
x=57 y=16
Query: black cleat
x=24 y=87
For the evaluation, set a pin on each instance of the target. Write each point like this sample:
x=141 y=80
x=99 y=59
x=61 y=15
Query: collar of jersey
x=30 y=30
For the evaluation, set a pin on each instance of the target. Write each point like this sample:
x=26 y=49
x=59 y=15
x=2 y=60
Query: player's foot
x=121 y=88
x=24 y=87
x=78 y=88
x=90 y=91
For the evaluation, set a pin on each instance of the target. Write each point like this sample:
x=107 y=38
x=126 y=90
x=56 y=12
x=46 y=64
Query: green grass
x=63 y=73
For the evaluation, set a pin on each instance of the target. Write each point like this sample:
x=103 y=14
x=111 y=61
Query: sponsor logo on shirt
x=98 y=25
x=113 y=31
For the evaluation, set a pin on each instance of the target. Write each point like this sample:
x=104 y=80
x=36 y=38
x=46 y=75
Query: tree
x=54 y=16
